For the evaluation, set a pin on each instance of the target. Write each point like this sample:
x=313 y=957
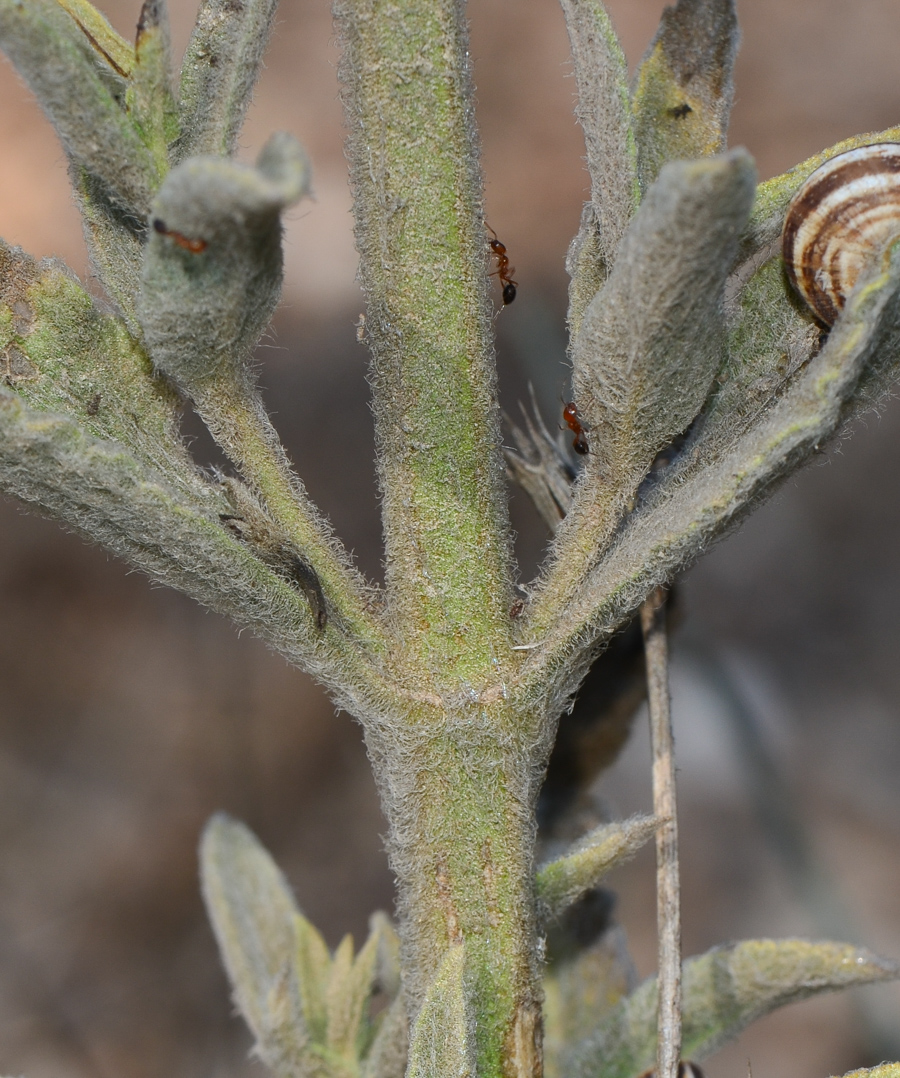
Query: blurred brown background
x=128 y=715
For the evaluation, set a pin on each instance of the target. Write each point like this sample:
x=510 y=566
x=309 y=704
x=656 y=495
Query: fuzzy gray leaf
x=586 y=267
x=252 y=912
x=581 y=991
x=213 y=266
x=387 y=963
x=682 y=514
x=604 y=112
x=56 y=60
x=151 y=104
x=387 y=1056
x=684 y=86
x=769 y=341
x=313 y=962
x=220 y=69
x=723 y=992
x=886 y=1070
x=107 y=494
x=115 y=243
x=442 y=1041
x=349 y=990
x=563 y=881
x=652 y=340
x=62 y=353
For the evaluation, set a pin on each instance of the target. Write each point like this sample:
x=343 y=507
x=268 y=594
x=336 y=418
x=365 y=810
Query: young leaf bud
x=213 y=263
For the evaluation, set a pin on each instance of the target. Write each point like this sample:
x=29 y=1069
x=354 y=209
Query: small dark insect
x=504 y=271
x=516 y=610
x=680 y=111
x=93 y=405
x=570 y=415
x=196 y=247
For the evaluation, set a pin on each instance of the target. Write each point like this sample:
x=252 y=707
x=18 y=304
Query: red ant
x=570 y=415
x=196 y=247
x=504 y=271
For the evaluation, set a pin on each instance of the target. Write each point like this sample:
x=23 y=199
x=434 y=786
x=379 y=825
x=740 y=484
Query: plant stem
x=416 y=182
x=668 y=896
x=462 y=844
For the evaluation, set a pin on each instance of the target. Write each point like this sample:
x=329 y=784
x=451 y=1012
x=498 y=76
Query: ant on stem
x=570 y=415
x=504 y=271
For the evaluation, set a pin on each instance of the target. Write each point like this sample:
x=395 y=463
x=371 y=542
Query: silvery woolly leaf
x=387 y=1056
x=653 y=339
x=442 y=1040
x=387 y=963
x=220 y=69
x=62 y=352
x=724 y=991
x=151 y=104
x=684 y=86
x=213 y=265
x=563 y=881
x=580 y=991
x=886 y=1070
x=164 y=523
x=603 y=110
x=252 y=912
x=115 y=243
x=55 y=58
x=770 y=339
x=313 y=961
x=349 y=991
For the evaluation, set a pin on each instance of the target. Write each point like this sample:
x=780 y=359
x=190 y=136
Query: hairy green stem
x=417 y=192
x=458 y=784
x=462 y=847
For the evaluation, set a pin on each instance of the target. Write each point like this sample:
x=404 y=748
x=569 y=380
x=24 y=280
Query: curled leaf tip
x=213 y=266
x=102 y=37
x=562 y=882
x=150 y=17
x=284 y=162
x=683 y=88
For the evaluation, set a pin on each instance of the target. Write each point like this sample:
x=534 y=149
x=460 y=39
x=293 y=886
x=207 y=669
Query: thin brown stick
x=668 y=894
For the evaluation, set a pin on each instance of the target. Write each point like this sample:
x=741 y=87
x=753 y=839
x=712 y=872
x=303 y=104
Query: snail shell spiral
x=838 y=221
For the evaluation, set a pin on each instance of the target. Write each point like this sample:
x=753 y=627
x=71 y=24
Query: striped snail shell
x=838 y=222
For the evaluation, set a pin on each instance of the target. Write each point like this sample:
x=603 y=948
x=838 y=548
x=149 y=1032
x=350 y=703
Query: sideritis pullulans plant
x=700 y=380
